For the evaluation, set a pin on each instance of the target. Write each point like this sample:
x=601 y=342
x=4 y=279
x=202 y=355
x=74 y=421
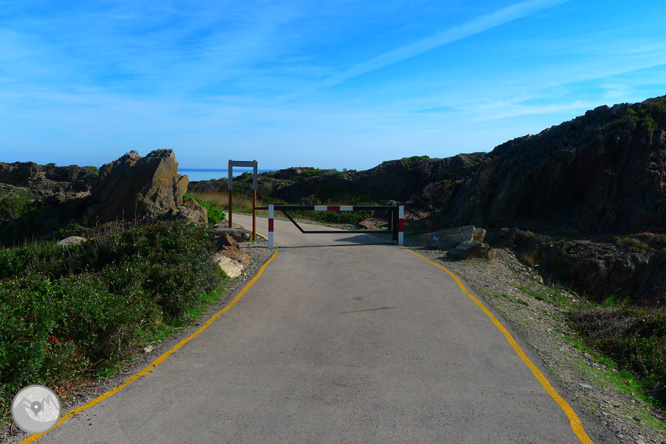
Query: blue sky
x=330 y=84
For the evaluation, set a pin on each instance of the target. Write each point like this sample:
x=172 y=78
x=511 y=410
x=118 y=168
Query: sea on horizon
x=199 y=174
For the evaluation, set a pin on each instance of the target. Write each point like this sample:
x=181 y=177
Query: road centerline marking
x=576 y=425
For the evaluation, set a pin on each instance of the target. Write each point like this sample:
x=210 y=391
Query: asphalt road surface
x=344 y=339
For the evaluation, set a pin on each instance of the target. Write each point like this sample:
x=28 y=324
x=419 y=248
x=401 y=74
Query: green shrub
x=93 y=171
x=70 y=312
x=14 y=205
x=312 y=172
x=215 y=215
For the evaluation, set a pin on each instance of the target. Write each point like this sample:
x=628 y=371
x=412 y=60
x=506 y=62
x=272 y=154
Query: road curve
x=344 y=339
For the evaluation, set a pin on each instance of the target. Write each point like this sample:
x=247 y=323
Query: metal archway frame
x=244 y=164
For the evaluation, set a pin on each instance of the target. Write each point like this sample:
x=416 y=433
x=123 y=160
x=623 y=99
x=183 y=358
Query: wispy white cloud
x=456 y=33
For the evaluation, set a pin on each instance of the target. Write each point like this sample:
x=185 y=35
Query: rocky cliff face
x=604 y=172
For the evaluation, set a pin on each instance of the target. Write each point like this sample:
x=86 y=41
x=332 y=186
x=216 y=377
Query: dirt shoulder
x=520 y=297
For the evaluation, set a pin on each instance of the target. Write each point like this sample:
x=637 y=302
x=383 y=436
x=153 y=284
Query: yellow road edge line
x=157 y=361
x=576 y=425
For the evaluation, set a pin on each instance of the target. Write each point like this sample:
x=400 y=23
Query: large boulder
x=451 y=237
x=145 y=188
x=471 y=249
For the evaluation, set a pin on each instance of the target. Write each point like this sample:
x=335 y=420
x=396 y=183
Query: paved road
x=342 y=340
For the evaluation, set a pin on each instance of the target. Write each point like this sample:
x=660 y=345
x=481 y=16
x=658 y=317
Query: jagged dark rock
x=146 y=188
x=604 y=172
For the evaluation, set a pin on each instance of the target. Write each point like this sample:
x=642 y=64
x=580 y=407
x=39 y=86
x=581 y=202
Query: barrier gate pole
x=254 y=215
x=270 y=226
x=230 y=210
x=401 y=225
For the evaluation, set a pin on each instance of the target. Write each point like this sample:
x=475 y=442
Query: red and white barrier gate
x=397 y=221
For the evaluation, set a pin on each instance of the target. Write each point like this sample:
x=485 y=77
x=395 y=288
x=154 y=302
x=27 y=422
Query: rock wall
x=604 y=172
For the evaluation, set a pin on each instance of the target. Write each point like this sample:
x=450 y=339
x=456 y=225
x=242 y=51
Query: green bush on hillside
x=634 y=337
x=13 y=205
x=68 y=312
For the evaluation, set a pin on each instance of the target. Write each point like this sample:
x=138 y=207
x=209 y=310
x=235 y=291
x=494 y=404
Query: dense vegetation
x=70 y=313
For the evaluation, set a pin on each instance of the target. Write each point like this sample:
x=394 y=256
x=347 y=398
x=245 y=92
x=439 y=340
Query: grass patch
x=70 y=313
x=506 y=297
x=641 y=242
x=215 y=214
x=633 y=337
x=242 y=204
x=553 y=296
x=604 y=372
x=414 y=231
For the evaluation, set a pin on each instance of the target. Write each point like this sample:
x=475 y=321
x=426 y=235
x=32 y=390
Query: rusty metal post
x=254 y=215
x=230 y=207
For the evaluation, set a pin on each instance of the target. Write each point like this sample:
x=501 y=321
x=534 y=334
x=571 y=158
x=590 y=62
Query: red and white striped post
x=401 y=224
x=270 y=226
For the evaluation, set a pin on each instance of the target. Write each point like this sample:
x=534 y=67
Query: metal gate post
x=230 y=207
x=254 y=215
x=270 y=226
x=401 y=225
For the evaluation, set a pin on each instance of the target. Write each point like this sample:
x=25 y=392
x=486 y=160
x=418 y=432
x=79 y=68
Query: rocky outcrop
x=146 y=188
x=623 y=267
x=604 y=172
x=48 y=180
x=399 y=180
x=36 y=200
x=72 y=240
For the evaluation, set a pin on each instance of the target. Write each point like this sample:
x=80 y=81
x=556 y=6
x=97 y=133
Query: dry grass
x=241 y=204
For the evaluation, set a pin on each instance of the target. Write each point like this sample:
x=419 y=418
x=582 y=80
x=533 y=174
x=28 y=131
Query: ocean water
x=197 y=174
